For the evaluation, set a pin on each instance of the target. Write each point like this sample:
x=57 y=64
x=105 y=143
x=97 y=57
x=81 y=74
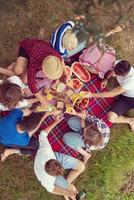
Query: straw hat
x=69 y=41
x=52 y=67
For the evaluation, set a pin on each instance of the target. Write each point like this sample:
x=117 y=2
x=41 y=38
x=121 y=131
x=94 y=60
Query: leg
x=122 y=105
x=114 y=118
x=75 y=123
x=31 y=148
x=7 y=152
x=20 y=67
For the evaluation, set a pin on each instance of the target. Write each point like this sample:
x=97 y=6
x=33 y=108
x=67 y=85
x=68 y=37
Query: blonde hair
x=69 y=41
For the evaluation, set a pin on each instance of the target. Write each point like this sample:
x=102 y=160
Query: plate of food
x=82 y=103
x=75 y=83
x=81 y=72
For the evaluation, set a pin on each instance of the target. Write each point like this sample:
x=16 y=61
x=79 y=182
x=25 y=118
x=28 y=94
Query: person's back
x=127 y=82
x=9 y=134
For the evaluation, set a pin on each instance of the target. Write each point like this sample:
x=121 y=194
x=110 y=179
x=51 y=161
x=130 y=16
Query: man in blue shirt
x=18 y=127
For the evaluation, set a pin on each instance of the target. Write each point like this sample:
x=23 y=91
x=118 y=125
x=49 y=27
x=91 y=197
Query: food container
x=81 y=72
x=75 y=84
x=68 y=71
x=82 y=104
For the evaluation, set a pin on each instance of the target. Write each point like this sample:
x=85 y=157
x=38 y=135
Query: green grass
x=105 y=173
x=107 y=170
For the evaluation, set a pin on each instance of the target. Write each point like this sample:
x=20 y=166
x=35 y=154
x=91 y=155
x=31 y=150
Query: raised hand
x=104 y=83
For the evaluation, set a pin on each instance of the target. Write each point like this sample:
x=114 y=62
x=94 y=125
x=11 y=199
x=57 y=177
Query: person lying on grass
x=88 y=133
x=49 y=166
x=124 y=73
x=18 y=127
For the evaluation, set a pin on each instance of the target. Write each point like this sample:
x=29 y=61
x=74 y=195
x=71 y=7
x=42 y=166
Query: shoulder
x=101 y=125
x=17 y=112
x=16 y=80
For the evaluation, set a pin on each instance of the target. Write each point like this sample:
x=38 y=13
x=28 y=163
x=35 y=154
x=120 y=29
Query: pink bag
x=98 y=59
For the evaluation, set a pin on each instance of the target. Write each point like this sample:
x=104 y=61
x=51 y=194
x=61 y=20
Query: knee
x=74 y=123
x=17 y=70
x=71 y=187
x=71 y=121
x=112 y=117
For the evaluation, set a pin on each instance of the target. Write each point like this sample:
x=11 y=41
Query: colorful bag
x=98 y=59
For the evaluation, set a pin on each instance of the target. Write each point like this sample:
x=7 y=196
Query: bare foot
x=8 y=152
x=132 y=125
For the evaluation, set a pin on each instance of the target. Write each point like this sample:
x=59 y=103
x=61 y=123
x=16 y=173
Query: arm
x=6 y=72
x=42 y=99
x=69 y=192
x=72 y=111
x=83 y=123
x=37 y=127
x=26 y=112
x=109 y=74
x=32 y=101
x=59 y=191
x=85 y=155
x=50 y=127
x=116 y=91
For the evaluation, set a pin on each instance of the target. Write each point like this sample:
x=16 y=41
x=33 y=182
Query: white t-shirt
x=16 y=80
x=127 y=82
x=44 y=154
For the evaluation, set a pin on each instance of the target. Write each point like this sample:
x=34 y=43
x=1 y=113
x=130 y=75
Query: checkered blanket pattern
x=98 y=107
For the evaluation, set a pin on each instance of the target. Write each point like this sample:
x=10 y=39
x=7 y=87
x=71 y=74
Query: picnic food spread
x=67 y=95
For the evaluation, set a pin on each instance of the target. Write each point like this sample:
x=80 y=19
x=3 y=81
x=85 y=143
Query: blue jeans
x=73 y=138
x=75 y=124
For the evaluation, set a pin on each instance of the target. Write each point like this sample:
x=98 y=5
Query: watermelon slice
x=80 y=71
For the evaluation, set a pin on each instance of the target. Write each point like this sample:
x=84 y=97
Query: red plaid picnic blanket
x=98 y=107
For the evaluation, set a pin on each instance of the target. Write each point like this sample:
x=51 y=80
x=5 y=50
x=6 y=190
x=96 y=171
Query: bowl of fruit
x=75 y=83
x=68 y=71
x=82 y=103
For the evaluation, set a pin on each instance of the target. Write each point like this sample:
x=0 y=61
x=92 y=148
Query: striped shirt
x=57 y=36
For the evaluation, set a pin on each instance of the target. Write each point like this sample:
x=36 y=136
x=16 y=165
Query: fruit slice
x=80 y=71
x=68 y=71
